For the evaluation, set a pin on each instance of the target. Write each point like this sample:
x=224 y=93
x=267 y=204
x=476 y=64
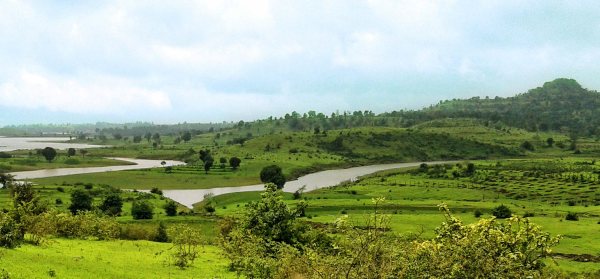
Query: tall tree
x=49 y=153
x=273 y=174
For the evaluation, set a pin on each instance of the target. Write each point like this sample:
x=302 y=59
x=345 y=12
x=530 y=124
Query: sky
x=211 y=61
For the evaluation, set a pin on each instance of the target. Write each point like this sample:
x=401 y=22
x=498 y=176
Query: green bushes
x=270 y=242
x=502 y=212
x=10 y=231
x=141 y=209
x=186 y=242
x=170 y=208
x=572 y=216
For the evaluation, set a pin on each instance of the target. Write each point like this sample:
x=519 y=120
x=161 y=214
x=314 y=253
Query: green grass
x=107 y=259
x=412 y=199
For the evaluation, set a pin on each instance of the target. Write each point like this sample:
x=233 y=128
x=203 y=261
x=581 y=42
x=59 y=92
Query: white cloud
x=100 y=95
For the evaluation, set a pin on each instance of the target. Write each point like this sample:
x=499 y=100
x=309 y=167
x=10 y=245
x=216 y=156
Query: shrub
x=137 y=232
x=477 y=213
x=528 y=214
x=157 y=191
x=80 y=201
x=60 y=189
x=161 y=233
x=112 y=204
x=502 y=212
x=170 y=208
x=10 y=231
x=185 y=244
x=4 y=155
x=572 y=216
x=141 y=209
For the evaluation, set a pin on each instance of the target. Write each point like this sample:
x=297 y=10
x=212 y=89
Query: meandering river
x=29 y=143
x=138 y=164
x=311 y=181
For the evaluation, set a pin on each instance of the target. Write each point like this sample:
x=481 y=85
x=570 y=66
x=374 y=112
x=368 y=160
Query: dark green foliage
x=10 y=231
x=81 y=200
x=112 y=205
x=157 y=191
x=477 y=213
x=71 y=152
x=501 y=212
x=187 y=136
x=234 y=162
x=470 y=169
x=550 y=142
x=49 y=153
x=572 y=216
x=273 y=174
x=4 y=155
x=141 y=209
x=137 y=139
x=170 y=208
x=161 y=233
x=527 y=146
x=557 y=105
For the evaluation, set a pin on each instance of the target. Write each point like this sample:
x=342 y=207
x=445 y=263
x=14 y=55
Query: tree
x=187 y=136
x=83 y=152
x=208 y=163
x=550 y=142
x=170 y=208
x=6 y=179
x=502 y=212
x=141 y=209
x=156 y=137
x=470 y=169
x=137 y=139
x=272 y=174
x=117 y=136
x=527 y=146
x=222 y=162
x=71 y=152
x=49 y=153
x=161 y=233
x=148 y=136
x=234 y=162
x=81 y=200
x=112 y=205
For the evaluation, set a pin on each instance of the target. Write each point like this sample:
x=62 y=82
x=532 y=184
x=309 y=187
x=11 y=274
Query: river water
x=311 y=181
x=138 y=164
x=27 y=143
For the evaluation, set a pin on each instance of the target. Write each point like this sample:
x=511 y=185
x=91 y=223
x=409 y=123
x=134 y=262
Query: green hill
x=561 y=105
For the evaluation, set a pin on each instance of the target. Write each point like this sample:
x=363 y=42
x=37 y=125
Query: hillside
x=561 y=105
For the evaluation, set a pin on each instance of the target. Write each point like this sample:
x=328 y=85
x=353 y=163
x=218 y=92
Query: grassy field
x=62 y=258
x=412 y=198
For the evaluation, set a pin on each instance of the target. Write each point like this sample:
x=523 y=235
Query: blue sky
x=203 y=61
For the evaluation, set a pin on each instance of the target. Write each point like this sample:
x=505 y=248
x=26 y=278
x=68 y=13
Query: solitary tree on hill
x=49 y=153
x=234 y=162
x=272 y=174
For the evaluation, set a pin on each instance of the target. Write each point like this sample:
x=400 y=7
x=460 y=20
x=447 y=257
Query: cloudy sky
x=201 y=61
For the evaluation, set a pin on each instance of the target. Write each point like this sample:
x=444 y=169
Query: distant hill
x=561 y=105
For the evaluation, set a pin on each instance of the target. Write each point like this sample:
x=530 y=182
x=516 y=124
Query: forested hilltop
x=561 y=105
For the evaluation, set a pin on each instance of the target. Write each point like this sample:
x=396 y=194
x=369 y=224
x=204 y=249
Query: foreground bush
x=269 y=242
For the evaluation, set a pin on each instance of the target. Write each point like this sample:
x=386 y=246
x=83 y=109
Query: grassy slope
x=295 y=152
x=107 y=259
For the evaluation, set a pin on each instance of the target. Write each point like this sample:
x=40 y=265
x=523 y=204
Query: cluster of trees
x=271 y=242
x=31 y=219
x=561 y=105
